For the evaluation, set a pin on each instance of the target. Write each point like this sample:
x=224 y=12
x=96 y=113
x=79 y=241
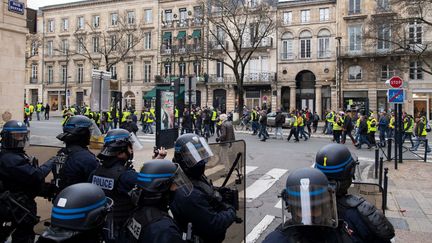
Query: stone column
x=318 y=99
x=292 y=97
x=279 y=97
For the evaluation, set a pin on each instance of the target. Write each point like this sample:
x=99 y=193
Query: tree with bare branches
x=238 y=27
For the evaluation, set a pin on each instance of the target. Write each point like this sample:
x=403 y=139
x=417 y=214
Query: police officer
x=79 y=162
x=78 y=215
x=367 y=223
x=203 y=209
x=21 y=179
x=312 y=205
x=151 y=223
x=116 y=176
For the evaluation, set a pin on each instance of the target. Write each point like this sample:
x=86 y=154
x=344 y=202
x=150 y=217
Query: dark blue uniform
x=80 y=163
x=309 y=234
x=23 y=180
x=209 y=219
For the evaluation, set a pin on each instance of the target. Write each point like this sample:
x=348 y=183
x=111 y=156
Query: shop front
x=421 y=103
x=356 y=101
x=56 y=100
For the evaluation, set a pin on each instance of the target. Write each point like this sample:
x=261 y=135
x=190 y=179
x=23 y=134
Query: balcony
x=194 y=48
x=167 y=24
x=196 y=22
x=287 y=56
x=33 y=80
x=259 y=77
x=167 y=50
x=265 y=42
x=226 y=79
x=368 y=51
x=216 y=46
x=183 y=23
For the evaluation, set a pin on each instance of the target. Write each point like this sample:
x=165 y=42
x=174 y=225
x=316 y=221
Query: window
x=63 y=71
x=324 y=14
x=416 y=71
x=96 y=21
x=355 y=73
x=384 y=35
x=383 y=5
x=113 y=42
x=324 y=44
x=415 y=32
x=50 y=48
x=305 y=16
x=387 y=71
x=197 y=15
x=287 y=46
x=183 y=16
x=130 y=41
x=287 y=17
x=220 y=35
x=65 y=47
x=50 y=25
x=182 y=69
x=168 y=15
x=147 y=72
x=167 y=69
x=65 y=24
x=197 y=68
x=113 y=70
x=148 y=16
x=130 y=72
x=147 y=40
x=355 y=38
x=305 y=44
x=80 y=45
x=34 y=71
x=34 y=48
x=114 y=19
x=50 y=74
x=354 y=7
x=131 y=17
x=80 y=23
x=95 y=41
x=80 y=73
x=219 y=69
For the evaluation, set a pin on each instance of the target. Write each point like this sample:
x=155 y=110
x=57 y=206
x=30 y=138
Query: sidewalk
x=409 y=206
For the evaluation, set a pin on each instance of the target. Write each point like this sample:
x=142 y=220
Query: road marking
x=279 y=204
x=365 y=159
x=256 y=232
x=147 y=140
x=264 y=183
x=249 y=169
x=214 y=169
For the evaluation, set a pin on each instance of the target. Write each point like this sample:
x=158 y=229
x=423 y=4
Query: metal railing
x=368 y=50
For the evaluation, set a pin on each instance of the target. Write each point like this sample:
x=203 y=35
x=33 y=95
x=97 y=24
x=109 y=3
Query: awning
x=152 y=93
x=196 y=34
x=181 y=35
x=166 y=36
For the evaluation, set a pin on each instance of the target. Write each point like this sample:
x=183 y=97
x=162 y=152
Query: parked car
x=289 y=120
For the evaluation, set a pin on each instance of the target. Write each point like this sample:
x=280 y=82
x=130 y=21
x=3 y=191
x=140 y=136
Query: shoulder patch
x=103 y=182
x=135 y=228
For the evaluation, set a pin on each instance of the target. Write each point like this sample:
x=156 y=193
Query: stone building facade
x=13 y=32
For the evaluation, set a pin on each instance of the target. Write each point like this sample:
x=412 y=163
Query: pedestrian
x=279 y=121
x=300 y=127
x=47 y=111
x=293 y=130
x=391 y=127
x=263 y=126
x=129 y=125
x=31 y=106
x=254 y=119
x=315 y=120
x=27 y=115
x=308 y=121
x=372 y=128
x=421 y=133
x=383 y=125
x=348 y=128
x=187 y=122
x=330 y=120
x=39 y=107
x=337 y=127
x=408 y=125
x=363 y=133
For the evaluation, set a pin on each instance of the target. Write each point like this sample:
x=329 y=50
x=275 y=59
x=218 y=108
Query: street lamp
x=339 y=78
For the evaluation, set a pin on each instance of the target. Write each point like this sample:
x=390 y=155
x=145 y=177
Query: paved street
x=270 y=162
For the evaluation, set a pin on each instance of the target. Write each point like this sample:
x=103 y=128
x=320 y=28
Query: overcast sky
x=35 y=4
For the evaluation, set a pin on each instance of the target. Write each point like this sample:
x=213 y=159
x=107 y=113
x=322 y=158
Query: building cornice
x=299 y=3
x=80 y=4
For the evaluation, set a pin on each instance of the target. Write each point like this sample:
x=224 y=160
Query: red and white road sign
x=396 y=82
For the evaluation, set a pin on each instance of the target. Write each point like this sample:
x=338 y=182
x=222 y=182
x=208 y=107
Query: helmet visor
x=196 y=151
x=94 y=129
x=136 y=143
x=182 y=182
x=17 y=139
x=311 y=205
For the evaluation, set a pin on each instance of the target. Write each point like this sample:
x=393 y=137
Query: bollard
x=426 y=149
x=389 y=148
x=380 y=176
x=376 y=162
x=384 y=206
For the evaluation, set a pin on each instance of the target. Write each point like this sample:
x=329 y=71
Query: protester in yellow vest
x=408 y=124
x=31 y=111
x=294 y=130
x=421 y=132
x=337 y=127
x=372 y=128
x=38 y=110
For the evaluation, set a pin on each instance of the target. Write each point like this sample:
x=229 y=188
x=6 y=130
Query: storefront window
x=356 y=101
x=382 y=101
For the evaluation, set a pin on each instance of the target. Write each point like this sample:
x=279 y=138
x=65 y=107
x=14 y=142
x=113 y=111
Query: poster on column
x=167 y=110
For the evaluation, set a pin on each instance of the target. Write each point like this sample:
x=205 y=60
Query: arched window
x=287 y=46
x=305 y=44
x=324 y=43
x=355 y=73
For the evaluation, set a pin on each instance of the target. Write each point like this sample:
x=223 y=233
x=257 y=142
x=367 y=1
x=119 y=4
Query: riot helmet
x=338 y=164
x=155 y=181
x=14 y=135
x=80 y=207
x=78 y=129
x=309 y=199
x=191 y=153
x=117 y=141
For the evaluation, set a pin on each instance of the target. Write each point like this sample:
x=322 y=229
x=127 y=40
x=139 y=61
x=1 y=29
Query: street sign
x=396 y=82
x=396 y=96
x=16 y=7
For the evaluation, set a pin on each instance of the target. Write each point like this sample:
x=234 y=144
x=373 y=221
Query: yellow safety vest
x=149 y=120
x=31 y=108
x=214 y=116
x=336 y=126
x=424 y=132
x=27 y=111
x=372 y=125
x=219 y=123
x=300 y=121
x=392 y=123
x=39 y=107
x=176 y=113
x=411 y=126
x=330 y=117
x=109 y=117
x=125 y=115
x=295 y=124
